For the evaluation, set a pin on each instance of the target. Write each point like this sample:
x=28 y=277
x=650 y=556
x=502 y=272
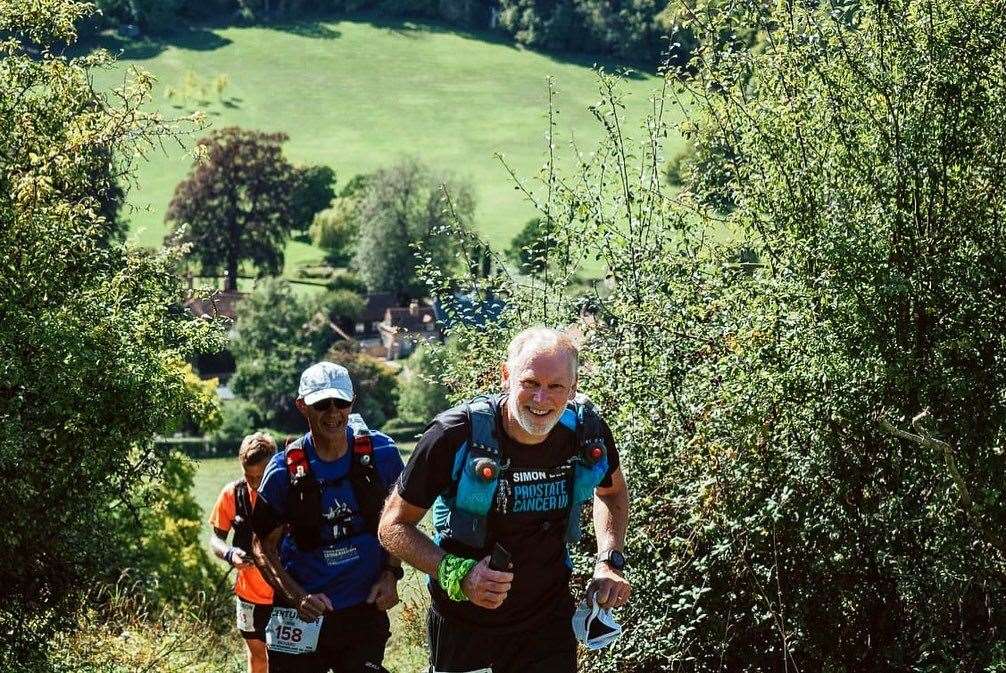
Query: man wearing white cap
x=315 y=525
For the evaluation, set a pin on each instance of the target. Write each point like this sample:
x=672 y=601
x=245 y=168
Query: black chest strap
x=242 y=517
x=304 y=500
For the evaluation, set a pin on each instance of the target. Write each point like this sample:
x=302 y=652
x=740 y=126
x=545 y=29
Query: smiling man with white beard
x=507 y=476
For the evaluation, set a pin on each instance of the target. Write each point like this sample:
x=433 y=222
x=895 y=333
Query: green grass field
x=359 y=94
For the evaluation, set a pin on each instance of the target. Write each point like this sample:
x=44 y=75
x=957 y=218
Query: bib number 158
x=291 y=633
x=288 y=633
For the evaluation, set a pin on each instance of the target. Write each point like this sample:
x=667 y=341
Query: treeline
x=640 y=31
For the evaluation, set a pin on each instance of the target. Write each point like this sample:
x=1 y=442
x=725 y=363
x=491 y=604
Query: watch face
x=616 y=559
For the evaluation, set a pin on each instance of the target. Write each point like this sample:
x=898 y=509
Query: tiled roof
x=402 y=319
x=377 y=304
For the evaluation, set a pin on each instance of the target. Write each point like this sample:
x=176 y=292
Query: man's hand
x=484 y=587
x=384 y=593
x=612 y=590
x=239 y=560
x=313 y=606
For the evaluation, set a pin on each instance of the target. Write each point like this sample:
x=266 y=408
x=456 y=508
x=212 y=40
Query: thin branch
x=926 y=440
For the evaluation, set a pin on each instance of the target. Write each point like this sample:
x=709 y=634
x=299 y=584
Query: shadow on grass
x=310 y=27
x=148 y=46
x=318 y=25
x=203 y=37
x=418 y=28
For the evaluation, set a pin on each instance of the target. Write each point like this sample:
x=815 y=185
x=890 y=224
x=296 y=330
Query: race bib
x=245 y=614
x=288 y=633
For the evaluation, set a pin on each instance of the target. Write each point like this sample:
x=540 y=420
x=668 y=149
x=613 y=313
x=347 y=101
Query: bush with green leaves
x=93 y=334
x=374 y=383
x=631 y=29
x=421 y=396
x=164 y=551
x=343 y=307
x=529 y=248
x=788 y=512
x=343 y=279
x=278 y=336
x=238 y=418
x=335 y=229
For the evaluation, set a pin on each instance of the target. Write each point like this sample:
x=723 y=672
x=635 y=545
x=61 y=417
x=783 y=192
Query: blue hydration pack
x=461 y=513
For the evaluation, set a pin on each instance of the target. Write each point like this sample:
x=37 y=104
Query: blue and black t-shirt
x=528 y=517
x=348 y=562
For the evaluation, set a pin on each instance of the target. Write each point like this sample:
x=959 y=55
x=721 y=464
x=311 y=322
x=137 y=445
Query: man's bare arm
x=266 y=553
x=399 y=534
x=611 y=518
x=611 y=513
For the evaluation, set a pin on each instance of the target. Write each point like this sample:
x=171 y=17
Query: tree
x=314 y=193
x=155 y=15
x=92 y=334
x=529 y=248
x=336 y=228
x=344 y=307
x=236 y=204
x=403 y=212
x=278 y=336
x=355 y=186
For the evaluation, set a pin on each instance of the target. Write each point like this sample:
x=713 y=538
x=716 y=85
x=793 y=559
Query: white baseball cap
x=323 y=380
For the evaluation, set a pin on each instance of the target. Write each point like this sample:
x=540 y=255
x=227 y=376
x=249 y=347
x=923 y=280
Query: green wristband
x=451 y=573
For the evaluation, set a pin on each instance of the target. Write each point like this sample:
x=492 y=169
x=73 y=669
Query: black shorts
x=548 y=648
x=260 y=617
x=351 y=641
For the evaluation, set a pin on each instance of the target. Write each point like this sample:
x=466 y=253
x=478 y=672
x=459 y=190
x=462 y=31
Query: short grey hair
x=540 y=339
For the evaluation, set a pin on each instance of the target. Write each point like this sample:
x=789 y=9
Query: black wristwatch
x=613 y=558
x=397 y=571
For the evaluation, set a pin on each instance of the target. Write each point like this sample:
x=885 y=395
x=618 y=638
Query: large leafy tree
x=92 y=335
x=236 y=203
x=402 y=211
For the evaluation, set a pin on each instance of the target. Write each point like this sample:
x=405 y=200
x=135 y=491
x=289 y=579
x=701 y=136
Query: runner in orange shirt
x=232 y=511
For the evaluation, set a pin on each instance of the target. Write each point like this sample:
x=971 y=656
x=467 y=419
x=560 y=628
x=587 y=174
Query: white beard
x=536 y=426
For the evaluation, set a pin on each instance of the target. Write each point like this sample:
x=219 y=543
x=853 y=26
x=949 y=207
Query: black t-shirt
x=528 y=517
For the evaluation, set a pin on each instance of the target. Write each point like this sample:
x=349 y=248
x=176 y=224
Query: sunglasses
x=329 y=402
